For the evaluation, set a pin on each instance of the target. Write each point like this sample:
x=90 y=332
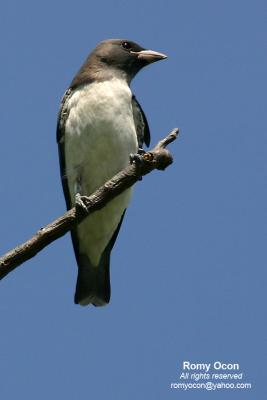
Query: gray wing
x=62 y=118
x=141 y=124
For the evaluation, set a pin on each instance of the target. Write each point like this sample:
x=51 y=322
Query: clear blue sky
x=189 y=268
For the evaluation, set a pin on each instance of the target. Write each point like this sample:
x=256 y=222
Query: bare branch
x=157 y=158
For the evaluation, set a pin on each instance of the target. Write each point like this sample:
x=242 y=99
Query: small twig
x=157 y=158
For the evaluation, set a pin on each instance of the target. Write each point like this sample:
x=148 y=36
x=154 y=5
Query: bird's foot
x=141 y=151
x=136 y=158
x=79 y=203
x=141 y=156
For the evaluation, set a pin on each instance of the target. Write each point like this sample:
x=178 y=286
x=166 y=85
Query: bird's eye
x=126 y=45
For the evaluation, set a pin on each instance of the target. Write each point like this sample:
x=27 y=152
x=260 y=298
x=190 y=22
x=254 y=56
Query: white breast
x=99 y=136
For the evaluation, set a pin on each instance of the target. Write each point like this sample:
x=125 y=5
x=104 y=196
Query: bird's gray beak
x=149 y=56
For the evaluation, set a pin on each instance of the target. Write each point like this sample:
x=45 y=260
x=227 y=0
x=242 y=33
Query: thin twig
x=157 y=158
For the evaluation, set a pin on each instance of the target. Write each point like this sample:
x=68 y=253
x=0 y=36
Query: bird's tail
x=93 y=283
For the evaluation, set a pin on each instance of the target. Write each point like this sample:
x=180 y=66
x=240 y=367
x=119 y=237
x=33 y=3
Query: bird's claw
x=141 y=151
x=79 y=203
x=141 y=156
x=136 y=158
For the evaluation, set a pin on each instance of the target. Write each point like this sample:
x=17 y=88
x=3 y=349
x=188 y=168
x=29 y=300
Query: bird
x=100 y=123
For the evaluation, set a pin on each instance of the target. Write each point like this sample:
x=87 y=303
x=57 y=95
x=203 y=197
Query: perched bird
x=100 y=124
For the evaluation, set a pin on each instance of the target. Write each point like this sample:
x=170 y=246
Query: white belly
x=99 y=136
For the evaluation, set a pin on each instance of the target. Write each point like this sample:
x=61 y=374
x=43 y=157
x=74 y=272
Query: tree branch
x=157 y=158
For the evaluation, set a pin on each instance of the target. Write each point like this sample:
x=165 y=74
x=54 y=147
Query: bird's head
x=119 y=57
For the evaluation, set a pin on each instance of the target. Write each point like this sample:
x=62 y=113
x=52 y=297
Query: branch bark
x=158 y=158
